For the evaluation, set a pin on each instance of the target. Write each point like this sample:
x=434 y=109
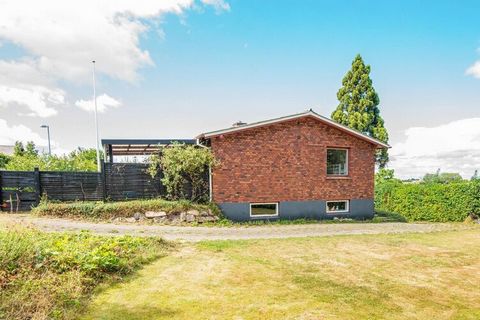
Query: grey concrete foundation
x=359 y=209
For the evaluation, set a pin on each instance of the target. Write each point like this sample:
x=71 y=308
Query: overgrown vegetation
x=110 y=210
x=26 y=158
x=49 y=275
x=183 y=166
x=434 y=199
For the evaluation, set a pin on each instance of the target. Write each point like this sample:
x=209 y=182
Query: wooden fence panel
x=131 y=181
x=20 y=190
x=17 y=190
x=72 y=186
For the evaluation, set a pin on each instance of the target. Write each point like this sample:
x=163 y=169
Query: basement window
x=263 y=209
x=338 y=206
x=337 y=162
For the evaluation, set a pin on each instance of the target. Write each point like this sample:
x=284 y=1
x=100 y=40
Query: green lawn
x=408 y=276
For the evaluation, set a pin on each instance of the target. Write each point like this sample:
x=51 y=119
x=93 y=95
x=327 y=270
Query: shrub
x=109 y=210
x=47 y=275
x=429 y=201
x=183 y=165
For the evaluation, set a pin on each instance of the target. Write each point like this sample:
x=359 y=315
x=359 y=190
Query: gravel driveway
x=224 y=233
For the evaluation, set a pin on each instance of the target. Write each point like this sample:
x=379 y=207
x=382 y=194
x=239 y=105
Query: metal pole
x=49 y=147
x=96 y=120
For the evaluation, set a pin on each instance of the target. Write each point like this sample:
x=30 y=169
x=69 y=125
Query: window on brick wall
x=337 y=162
x=263 y=209
x=338 y=206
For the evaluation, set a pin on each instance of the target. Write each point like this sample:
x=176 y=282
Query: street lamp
x=48 y=135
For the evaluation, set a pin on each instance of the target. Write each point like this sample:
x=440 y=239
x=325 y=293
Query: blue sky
x=175 y=68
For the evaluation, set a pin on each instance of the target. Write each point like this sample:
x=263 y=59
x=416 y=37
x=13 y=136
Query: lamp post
x=48 y=136
x=96 y=119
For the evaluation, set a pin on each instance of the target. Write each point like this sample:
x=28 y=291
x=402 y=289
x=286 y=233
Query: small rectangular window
x=337 y=162
x=337 y=206
x=263 y=209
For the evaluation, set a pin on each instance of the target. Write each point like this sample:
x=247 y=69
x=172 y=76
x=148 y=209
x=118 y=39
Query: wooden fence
x=21 y=190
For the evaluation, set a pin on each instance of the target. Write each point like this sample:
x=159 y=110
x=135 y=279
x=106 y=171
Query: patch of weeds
x=49 y=275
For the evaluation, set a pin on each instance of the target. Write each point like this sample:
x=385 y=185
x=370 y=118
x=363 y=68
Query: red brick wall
x=287 y=162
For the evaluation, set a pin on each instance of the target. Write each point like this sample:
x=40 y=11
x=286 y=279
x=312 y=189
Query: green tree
x=4 y=159
x=31 y=149
x=18 y=149
x=358 y=107
x=183 y=165
x=443 y=177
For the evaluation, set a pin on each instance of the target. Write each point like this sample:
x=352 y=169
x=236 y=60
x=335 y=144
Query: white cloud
x=474 y=70
x=452 y=147
x=9 y=134
x=61 y=38
x=219 y=5
x=21 y=84
x=104 y=102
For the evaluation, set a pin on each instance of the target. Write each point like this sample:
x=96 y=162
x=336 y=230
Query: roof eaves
x=294 y=116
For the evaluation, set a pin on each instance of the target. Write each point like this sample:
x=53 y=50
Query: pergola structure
x=137 y=147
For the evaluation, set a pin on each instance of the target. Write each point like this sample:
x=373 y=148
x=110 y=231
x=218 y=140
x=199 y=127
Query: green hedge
x=429 y=201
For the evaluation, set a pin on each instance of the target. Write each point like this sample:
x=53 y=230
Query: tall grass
x=48 y=275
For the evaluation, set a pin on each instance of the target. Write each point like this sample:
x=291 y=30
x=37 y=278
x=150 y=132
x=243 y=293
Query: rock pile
x=189 y=216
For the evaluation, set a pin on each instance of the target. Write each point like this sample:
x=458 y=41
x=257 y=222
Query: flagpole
x=96 y=119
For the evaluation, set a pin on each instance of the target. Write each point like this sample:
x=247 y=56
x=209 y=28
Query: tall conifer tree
x=358 y=107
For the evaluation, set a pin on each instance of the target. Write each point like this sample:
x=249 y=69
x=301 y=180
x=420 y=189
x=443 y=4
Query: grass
x=50 y=275
x=407 y=276
x=109 y=210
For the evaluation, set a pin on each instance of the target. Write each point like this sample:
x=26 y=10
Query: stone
x=160 y=219
x=205 y=213
x=131 y=220
x=138 y=216
x=183 y=216
x=190 y=217
x=193 y=212
x=153 y=214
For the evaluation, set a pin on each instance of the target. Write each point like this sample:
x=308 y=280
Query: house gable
x=308 y=114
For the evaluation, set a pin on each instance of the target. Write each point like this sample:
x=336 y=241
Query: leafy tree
x=358 y=107
x=31 y=149
x=28 y=158
x=4 y=159
x=384 y=175
x=181 y=165
x=18 y=149
x=444 y=177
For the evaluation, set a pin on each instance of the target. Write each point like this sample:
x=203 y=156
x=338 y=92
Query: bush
x=181 y=166
x=110 y=210
x=47 y=275
x=429 y=201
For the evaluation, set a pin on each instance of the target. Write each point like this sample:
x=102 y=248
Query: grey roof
x=136 y=147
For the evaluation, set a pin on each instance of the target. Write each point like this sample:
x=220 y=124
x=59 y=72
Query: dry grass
x=409 y=276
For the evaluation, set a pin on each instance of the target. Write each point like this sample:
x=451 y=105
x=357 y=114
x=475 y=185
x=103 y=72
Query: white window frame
x=347 y=160
x=264 y=215
x=347 y=206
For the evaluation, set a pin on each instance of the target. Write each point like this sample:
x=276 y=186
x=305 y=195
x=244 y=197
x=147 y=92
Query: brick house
x=298 y=166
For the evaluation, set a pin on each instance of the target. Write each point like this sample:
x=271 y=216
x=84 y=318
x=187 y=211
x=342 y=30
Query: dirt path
x=225 y=233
